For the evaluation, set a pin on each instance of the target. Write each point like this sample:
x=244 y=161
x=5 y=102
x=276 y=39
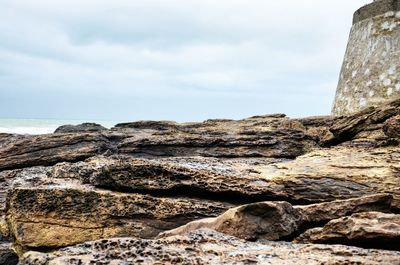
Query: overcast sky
x=170 y=59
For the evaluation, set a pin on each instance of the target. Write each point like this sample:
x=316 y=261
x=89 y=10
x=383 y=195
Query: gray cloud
x=170 y=59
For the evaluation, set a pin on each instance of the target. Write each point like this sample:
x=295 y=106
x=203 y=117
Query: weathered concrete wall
x=371 y=69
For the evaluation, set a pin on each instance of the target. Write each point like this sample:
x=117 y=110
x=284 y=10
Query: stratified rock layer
x=369 y=229
x=207 y=247
x=54 y=217
x=261 y=178
x=280 y=220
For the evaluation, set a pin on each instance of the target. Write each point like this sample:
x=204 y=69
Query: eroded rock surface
x=369 y=229
x=208 y=247
x=280 y=220
x=44 y=150
x=84 y=127
x=278 y=176
x=263 y=220
x=7 y=255
x=60 y=216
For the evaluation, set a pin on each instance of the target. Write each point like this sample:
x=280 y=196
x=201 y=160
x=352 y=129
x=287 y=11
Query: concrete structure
x=370 y=73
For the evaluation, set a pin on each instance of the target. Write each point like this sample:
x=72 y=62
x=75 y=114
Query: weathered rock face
x=280 y=220
x=50 y=149
x=208 y=247
x=370 y=71
x=253 y=137
x=265 y=177
x=54 y=217
x=263 y=220
x=84 y=127
x=392 y=127
x=324 y=212
x=369 y=229
x=7 y=255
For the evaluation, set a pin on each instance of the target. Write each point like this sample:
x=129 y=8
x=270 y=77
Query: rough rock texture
x=50 y=149
x=7 y=255
x=54 y=217
x=324 y=212
x=392 y=127
x=207 y=247
x=278 y=176
x=263 y=220
x=84 y=127
x=369 y=229
x=370 y=71
x=280 y=220
x=253 y=137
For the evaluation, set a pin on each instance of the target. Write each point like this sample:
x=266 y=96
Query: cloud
x=170 y=59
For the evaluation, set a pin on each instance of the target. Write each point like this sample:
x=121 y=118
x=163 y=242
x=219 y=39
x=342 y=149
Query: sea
x=43 y=126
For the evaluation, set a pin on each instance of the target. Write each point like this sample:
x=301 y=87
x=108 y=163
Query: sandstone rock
x=338 y=173
x=84 y=127
x=392 y=127
x=321 y=175
x=280 y=220
x=207 y=247
x=7 y=255
x=261 y=136
x=280 y=144
x=369 y=229
x=263 y=220
x=324 y=212
x=50 y=149
x=54 y=216
x=4 y=231
x=235 y=180
x=348 y=127
x=155 y=125
x=143 y=178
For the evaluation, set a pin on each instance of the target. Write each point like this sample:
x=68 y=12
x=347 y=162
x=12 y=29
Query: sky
x=183 y=60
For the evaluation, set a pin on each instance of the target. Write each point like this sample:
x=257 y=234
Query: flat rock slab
x=321 y=175
x=339 y=173
x=61 y=216
x=207 y=247
x=263 y=220
x=45 y=150
x=280 y=220
x=369 y=229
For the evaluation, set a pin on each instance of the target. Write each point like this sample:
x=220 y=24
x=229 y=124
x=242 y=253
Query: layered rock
x=261 y=178
x=84 y=127
x=369 y=230
x=281 y=220
x=263 y=220
x=50 y=149
x=207 y=247
x=61 y=216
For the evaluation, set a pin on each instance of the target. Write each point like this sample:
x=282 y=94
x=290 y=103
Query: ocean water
x=41 y=126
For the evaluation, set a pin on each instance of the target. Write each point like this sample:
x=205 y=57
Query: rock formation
x=205 y=193
x=208 y=247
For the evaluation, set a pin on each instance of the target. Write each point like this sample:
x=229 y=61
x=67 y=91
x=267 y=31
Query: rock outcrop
x=55 y=217
x=280 y=220
x=261 y=178
x=84 y=127
x=368 y=229
x=263 y=220
x=208 y=247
